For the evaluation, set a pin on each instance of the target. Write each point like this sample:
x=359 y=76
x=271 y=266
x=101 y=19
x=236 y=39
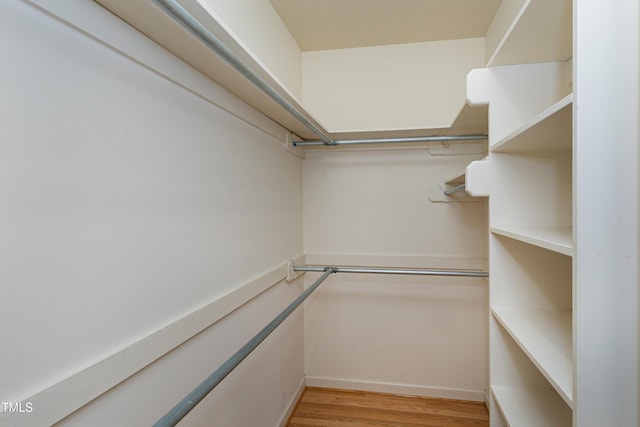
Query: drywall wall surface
x=128 y=202
x=260 y=29
x=254 y=394
x=376 y=202
x=407 y=86
x=399 y=334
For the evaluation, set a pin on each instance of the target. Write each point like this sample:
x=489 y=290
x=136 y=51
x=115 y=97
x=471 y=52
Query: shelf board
x=522 y=407
x=545 y=337
x=150 y=20
x=470 y=120
x=548 y=131
x=540 y=32
x=557 y=239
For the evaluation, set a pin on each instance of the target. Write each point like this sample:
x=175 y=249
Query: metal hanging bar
x=400 y=140
x=192 y=399
x=453 y=190
x=406 y=271
x=189 y=22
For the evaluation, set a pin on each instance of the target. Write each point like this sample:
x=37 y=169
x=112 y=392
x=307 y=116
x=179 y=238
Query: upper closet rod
x=188 y=21
x=436 y=138
x=177 y=12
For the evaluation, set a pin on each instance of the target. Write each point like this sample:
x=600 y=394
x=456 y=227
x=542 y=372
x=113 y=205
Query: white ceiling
x=337 y=24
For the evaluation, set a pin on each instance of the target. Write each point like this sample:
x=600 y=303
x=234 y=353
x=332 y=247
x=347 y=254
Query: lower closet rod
x=407 y=271
x=183 y=407
x=398 y=140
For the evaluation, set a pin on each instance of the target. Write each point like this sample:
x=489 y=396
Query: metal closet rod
x=405 y=271
x=183 y=407
x=399 y=140
x=456 y=189
x=189 y=22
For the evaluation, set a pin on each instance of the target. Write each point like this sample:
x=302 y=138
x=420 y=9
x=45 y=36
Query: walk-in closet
x=243 y=213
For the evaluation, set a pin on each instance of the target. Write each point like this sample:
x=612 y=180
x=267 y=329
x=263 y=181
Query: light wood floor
x=343 y=408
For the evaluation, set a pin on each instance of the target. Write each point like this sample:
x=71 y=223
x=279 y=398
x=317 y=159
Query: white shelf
x=557 y=239
x=529 y=407
x=545 y=337
x=548 y=131
x=540 y=32
x=147 y=18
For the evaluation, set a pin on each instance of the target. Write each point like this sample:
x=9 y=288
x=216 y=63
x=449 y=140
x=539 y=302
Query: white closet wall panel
x=424 y=336
x=394 y=87
x=128 y=203
x=376 y=202
x=258 y=392
x=406 y=335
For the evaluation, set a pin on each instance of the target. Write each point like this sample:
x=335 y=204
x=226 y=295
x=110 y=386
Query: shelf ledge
x=545 y=337
x=548 y=131
x=556 y=239
x=531 y=407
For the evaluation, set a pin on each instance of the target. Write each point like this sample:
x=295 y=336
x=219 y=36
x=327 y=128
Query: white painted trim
x=94 y=21
x=55 y=401
x=293 y=403
x=394 y=388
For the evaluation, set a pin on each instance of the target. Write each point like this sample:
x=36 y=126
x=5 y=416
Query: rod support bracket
x=292 y=274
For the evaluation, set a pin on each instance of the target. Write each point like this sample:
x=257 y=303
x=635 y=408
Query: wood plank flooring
x=322 y=407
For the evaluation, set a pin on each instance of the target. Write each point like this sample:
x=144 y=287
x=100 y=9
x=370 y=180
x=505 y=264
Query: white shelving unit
x=529 y=179
x=531 y=206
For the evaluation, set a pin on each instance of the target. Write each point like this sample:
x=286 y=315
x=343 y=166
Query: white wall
x=258 y=392
x=407 y=86
x=424 y=336
x=129 y=201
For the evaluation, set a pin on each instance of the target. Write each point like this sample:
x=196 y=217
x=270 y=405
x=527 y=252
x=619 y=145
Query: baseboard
x=292 y=403
x=394 y=388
